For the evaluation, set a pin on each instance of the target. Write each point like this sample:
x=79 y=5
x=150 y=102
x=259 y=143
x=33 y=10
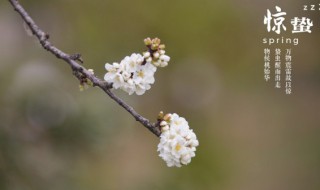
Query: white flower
x=118 y=81
x=113 y=75
x=177 y=141
x=144 y=74
x=135 y=73
x=144 y=77
x=131 y=74
x=131 y=63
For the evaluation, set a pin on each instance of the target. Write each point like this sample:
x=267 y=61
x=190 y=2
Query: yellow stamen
x=141 y=74
x=178 y=147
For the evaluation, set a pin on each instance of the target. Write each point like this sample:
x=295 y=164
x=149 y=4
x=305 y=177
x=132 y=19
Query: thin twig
x=76 y=67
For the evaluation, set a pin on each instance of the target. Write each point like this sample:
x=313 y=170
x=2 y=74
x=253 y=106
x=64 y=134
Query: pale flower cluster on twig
x=135 y=73
x=177 y=141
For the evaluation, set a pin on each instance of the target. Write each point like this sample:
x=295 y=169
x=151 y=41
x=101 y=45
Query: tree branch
x=79 y=69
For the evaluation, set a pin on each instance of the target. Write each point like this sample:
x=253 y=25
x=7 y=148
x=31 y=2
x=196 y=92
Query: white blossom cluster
x=135 y=73
x=131 y=75
x=177 y=141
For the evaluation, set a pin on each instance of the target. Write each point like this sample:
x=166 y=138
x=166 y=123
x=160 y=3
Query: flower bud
x=167 y=117
x=156 y=55
x=165 y=58
x=162 y=46
x=163 y=64
x=146 y=54
x=163 y=123
x=91 y=71
x=160 y=115
x=147 y=41
x=165 y=128
x=156 y=63
x=156 y=41
x=154 y=46
x=162 y=52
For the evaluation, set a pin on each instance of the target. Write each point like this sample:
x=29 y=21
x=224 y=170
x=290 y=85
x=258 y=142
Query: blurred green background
x=252 y=136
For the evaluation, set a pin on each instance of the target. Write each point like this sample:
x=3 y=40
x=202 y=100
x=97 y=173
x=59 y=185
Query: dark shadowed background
x=252 y=136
